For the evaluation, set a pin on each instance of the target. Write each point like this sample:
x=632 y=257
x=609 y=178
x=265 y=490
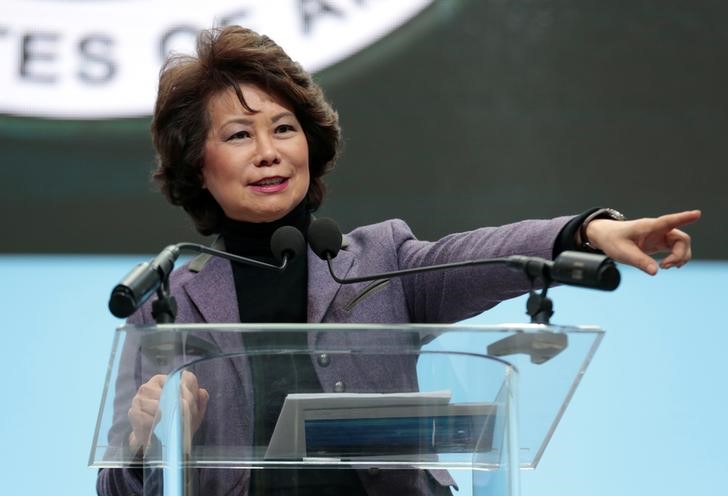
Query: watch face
x=614 y=214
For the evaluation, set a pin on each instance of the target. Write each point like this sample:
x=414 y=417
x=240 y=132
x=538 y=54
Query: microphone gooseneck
x=572 y=268
x=136 y=287
x=325 y=239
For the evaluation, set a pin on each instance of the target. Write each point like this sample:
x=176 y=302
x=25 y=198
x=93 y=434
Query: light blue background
x=648 y=418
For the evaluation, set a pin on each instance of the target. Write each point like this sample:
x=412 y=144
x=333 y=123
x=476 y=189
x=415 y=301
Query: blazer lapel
x=322 y=288
x=212 y=291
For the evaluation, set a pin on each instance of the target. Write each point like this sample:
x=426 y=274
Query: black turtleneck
x=266 y=296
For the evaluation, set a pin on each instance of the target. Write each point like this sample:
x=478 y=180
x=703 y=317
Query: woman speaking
x=243 y=138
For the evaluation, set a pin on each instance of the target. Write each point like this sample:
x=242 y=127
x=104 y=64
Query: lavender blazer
x=205 y=293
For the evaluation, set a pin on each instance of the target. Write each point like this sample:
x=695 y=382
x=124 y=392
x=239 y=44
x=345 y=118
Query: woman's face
x=256 y=163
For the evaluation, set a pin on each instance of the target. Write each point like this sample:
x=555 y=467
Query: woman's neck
x=253 y=239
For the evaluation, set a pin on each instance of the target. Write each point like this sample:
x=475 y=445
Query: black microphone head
x=122 y=302
x=609 y=276
x=287 y=242
x=136 y=288
x=324 y=237
x=586 y=269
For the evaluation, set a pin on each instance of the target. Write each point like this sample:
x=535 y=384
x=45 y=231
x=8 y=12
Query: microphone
x=573 y=268
x=325 y=237
x=141 y=282
x=138 y=285
x=570 y=267
x=286 y=244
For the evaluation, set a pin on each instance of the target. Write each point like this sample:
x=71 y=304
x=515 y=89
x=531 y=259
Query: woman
x=243 y=137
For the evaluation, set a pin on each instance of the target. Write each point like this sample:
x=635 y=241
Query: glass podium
x=410 y=405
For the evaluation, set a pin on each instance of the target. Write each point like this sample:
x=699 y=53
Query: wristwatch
x=602 y=213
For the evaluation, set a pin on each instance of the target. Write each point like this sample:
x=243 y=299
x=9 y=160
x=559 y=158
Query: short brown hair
x=227 y=57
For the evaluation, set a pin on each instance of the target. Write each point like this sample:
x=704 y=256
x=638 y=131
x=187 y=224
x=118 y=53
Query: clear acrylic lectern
x=473 y=403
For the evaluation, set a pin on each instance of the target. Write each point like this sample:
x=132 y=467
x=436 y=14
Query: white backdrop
x=101 y=59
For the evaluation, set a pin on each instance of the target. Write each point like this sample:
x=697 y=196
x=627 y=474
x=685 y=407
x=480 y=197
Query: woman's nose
x=267 y=153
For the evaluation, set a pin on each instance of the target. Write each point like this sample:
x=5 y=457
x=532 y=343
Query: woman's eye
x=284 y=128
x=239 y=135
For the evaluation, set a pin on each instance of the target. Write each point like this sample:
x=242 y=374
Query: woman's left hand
x=633 y=241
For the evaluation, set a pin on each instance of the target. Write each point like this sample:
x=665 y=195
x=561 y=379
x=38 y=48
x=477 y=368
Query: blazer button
x=324 y=360
x=339 y=387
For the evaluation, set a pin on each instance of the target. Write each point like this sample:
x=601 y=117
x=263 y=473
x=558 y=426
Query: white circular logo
x=100 y=58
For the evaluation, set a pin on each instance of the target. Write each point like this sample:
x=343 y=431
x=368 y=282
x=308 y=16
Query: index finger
x=671 y=221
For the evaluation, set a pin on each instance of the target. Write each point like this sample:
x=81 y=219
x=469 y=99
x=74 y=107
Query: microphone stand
x=539 y=306
x=164 y=308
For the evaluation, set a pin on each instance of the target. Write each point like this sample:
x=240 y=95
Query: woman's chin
x=262 y=216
